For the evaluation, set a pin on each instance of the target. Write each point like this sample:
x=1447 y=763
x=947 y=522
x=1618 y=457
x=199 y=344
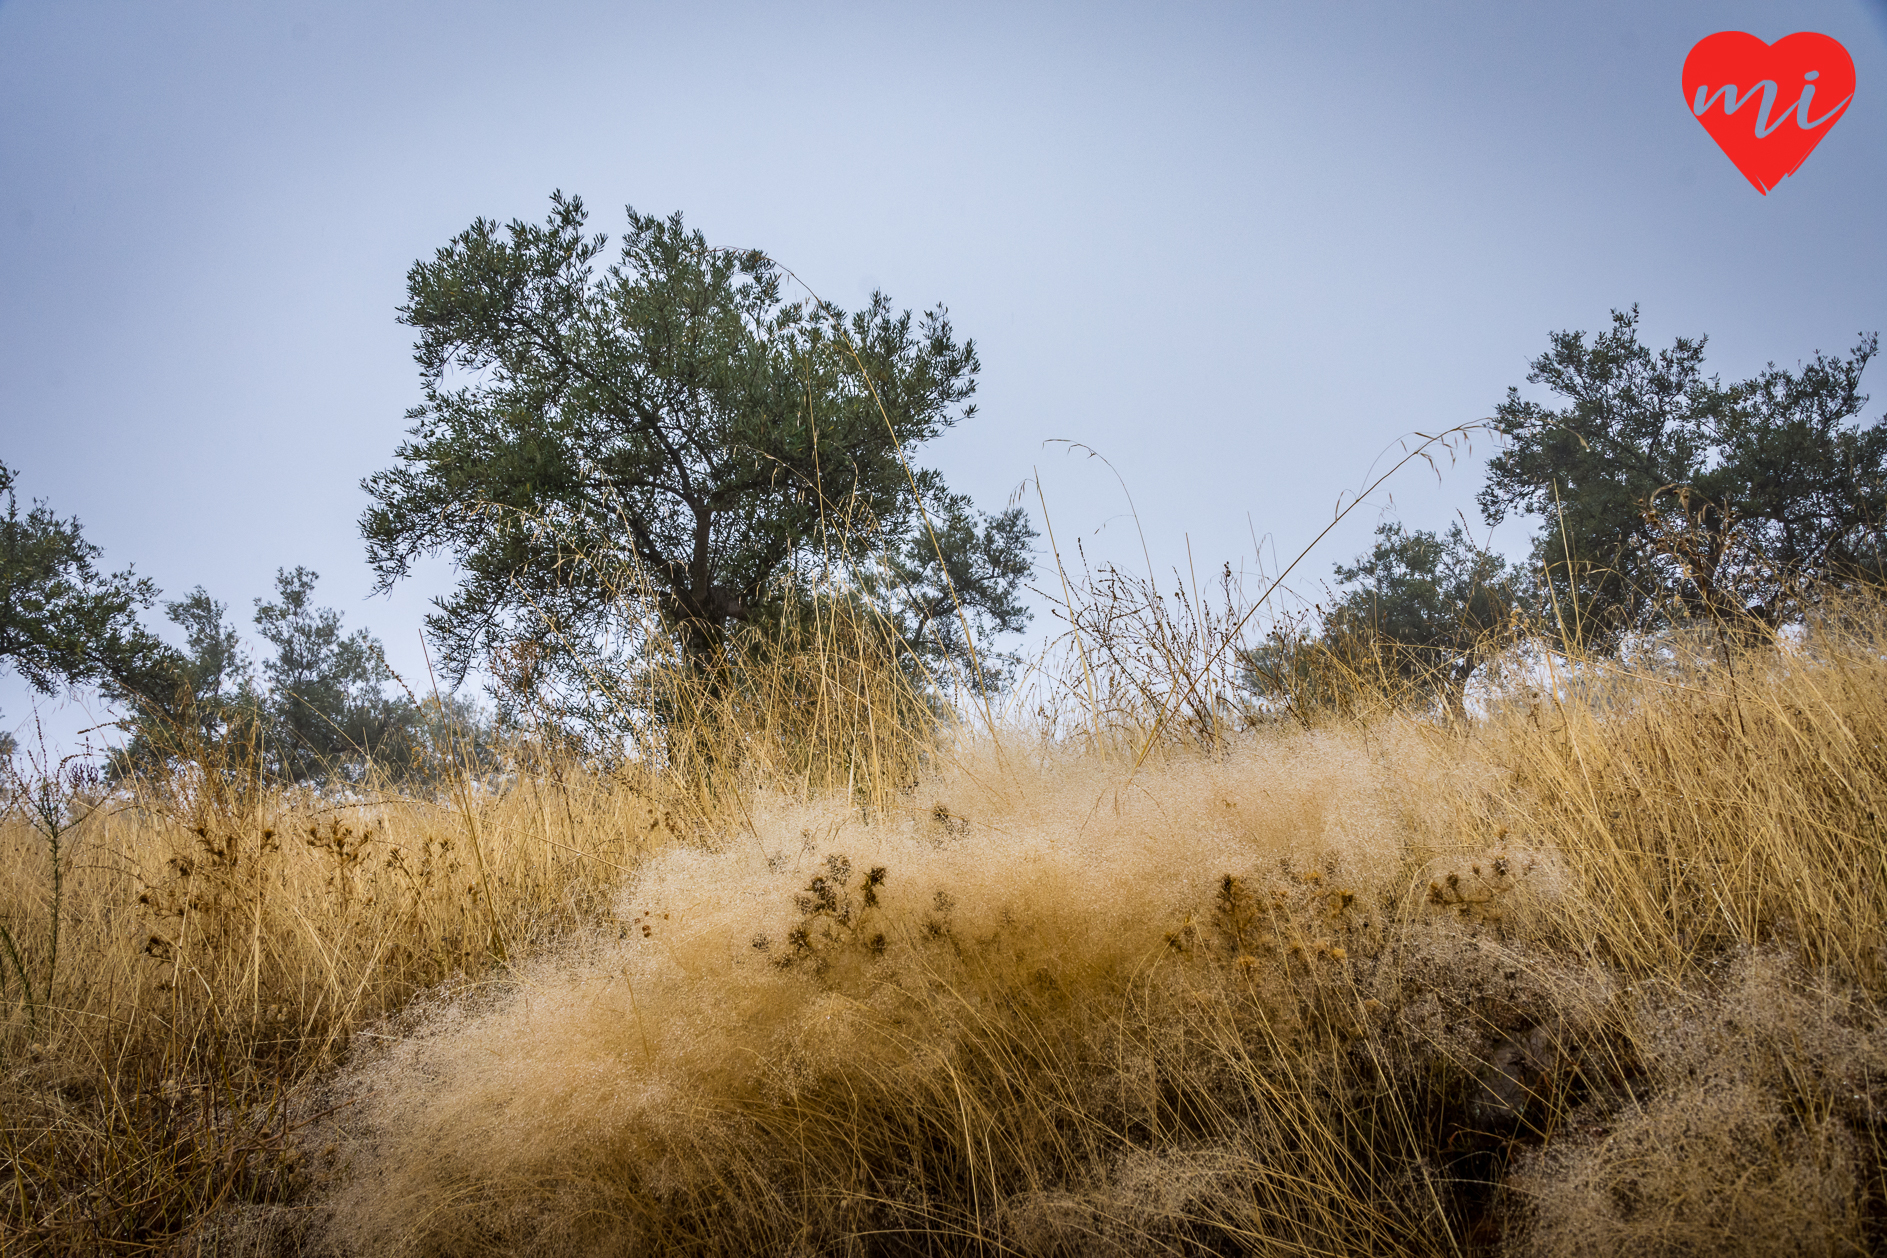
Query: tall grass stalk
x=51 y=797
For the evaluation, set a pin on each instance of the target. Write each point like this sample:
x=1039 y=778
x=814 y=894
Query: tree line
x=664 y=438
x=661 y=439
x=317 y=706
x=1666 y=498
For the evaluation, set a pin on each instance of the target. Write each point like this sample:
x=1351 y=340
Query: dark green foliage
x=1434 y=607
x=1666 y=494
x=327 y=708
x=931 y=602
x=1422 y=613
x=214 y=703
x=63 y=622
x=216 y=671
x=319 y=712
x=673 y=417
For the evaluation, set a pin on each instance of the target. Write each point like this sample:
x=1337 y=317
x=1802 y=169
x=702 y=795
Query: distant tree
x=216 y=671
x=214 y=695
x=318 y=712
x=1421 y=611
x=327 y=709
x=1665 y=493
x=1436 y=607
x=675 y=415
x=63 y=621
x=451 y=733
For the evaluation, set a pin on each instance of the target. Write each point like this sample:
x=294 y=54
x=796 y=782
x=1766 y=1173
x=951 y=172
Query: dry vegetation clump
x=1753 y=1129
x=219 y=943
x=1599 y=972
x=1043 y=994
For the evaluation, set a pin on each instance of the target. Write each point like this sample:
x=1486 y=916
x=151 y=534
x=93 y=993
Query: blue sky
x=1238 y=249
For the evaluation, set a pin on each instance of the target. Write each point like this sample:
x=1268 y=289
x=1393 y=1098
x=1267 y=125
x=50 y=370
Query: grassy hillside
x=1600 y=973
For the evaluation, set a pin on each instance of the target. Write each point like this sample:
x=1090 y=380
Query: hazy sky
x=1238 y=249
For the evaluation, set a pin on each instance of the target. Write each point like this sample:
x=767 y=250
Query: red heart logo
x=1768 y=105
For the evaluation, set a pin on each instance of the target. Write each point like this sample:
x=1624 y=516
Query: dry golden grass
x=926 y=1024
x=1598 y=973
x=217 y=951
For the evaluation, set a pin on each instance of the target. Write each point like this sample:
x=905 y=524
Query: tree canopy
x=1421 y=611
x=673 y=413
x=1666 y=493
x=1437 y=604
x=320 y=709
x=66 y=622
x=327 y=704
x=315 y=709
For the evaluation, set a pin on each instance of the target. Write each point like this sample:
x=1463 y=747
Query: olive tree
x=672 y=415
